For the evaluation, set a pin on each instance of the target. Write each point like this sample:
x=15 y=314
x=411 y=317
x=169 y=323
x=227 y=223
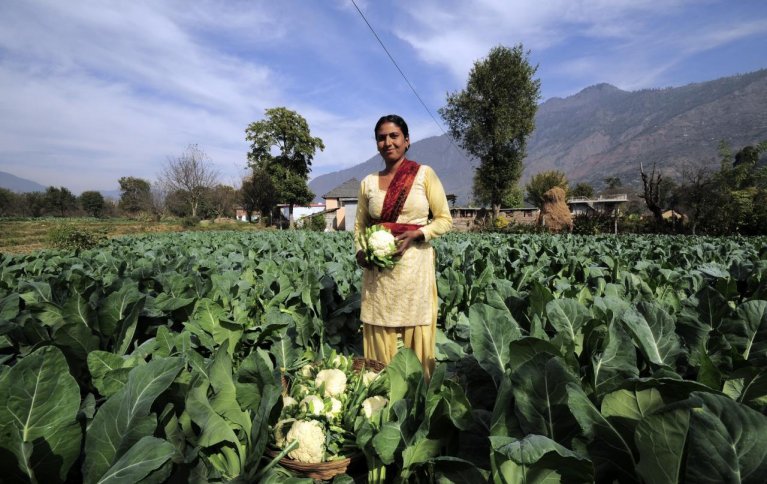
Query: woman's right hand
x=362 y=260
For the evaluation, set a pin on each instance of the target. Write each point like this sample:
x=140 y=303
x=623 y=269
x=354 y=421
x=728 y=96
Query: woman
x=401 y=303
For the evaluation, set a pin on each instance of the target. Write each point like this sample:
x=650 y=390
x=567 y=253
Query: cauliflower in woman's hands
x=334 y=381
x=311 y=441
x=380 y=246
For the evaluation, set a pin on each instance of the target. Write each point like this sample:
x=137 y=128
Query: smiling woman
x=406 y=198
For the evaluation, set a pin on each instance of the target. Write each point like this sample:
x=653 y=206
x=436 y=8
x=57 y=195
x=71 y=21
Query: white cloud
x=98 y=89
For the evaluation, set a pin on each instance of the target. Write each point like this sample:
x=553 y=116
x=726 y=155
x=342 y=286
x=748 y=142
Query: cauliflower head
x=368 y=377
x=382 y=243
x=288 y=401
x=334 y=380
x=335 y=408
x=313 y=405
x=373 y=405
x=311 y=441
x=306 y=371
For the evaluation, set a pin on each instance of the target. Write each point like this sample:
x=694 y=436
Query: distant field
x=20 y=236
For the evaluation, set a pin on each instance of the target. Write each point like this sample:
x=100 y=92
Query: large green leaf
x=727 y=441
x=212 y=318
x=536 y=459
x=660 y=439
x=140 y=460
x=9 y=307
x=419 y=452
x=492 y=330
x=118 y=308
x=652 y=329
x=615 y=363
x=610 y=450
x=748 y=331
x=405 y=374
x=39 y=402
x=567 y=316
x=540 y=398
x=124 y=418
x=108 y=372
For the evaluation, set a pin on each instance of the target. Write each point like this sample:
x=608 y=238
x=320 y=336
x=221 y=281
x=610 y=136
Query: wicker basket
x=320 y=470
x=330 y=469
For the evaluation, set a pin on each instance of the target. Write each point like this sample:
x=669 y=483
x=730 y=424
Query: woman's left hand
x=406 y=239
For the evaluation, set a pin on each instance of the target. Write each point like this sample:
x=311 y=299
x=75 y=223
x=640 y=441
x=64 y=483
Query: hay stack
x=555 y=214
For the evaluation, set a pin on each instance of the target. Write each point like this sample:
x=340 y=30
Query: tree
x=542 y=182
x=92 y=202
x=221 y=200
x=582 y=190
x=59 y=200
x=258 y=194
x=287 y=133
x=190 y=174
x=8 y=202
x=34 y=203
x=612 y=182
x=652 y=192
x=492 y=118
x=135 y=195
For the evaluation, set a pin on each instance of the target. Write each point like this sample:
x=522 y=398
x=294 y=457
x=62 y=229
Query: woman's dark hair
x=393 y=118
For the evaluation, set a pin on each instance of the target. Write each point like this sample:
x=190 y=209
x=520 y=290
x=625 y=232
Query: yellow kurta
x=397 y=300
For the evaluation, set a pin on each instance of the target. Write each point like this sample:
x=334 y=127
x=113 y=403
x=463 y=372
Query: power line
x=400 y=70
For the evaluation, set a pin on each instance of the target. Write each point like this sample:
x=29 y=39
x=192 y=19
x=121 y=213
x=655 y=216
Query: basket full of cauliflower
x=320 y=403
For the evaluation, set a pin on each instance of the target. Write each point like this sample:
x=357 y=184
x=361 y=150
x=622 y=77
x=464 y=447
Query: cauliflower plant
x=311 y=441
x=373 y=405
x=334 y=380
x=313 y=405
x=288 y=401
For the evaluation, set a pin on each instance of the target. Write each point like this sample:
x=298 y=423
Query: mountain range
x=19 y=185
x=603 y=131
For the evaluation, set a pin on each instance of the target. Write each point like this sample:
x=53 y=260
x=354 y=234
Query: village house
x=341 y=206
x=606 y=204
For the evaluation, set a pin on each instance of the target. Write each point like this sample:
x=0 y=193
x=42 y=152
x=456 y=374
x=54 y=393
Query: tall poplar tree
x=287 y=133
x=492 y=118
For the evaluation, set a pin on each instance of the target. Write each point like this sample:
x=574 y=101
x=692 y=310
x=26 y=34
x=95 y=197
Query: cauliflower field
x=561 y=358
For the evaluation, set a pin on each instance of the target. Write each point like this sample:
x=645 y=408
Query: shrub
x=73 y=238
x=190 y=221
x=315 y=223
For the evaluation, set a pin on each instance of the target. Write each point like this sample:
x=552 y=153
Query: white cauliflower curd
x=373 y=405
x=288 y=401
x=313 y=405
x=334 y=380
x=335 y=408
x=311 y=441
x=368 y=377
x=382 y=243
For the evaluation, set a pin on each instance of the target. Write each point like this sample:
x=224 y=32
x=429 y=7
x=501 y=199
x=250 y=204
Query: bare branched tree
x=190 y=174
x=652 y=192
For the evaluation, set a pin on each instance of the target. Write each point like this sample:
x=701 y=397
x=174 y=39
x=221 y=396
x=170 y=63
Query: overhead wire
x=412 y=88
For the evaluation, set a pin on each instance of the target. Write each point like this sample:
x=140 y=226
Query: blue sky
x=93 y=90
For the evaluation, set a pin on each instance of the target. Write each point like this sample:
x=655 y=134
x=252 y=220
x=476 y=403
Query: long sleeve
x=442 y=222
x=362 y=218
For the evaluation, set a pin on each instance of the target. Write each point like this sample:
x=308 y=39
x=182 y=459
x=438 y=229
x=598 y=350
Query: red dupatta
x=396 y=194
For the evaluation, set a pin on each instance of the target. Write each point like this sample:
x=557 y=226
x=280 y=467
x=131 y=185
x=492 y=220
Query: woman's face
x=391 y=142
